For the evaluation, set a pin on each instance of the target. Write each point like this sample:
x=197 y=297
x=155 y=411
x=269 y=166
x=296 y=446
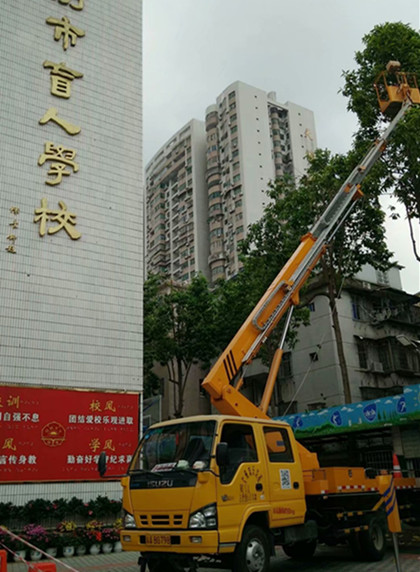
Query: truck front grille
x=150 y=520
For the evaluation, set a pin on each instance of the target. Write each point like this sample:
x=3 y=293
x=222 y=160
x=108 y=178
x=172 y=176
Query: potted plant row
x=68 y=539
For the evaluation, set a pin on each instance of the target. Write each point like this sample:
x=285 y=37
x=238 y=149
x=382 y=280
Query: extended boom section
x=224 y=380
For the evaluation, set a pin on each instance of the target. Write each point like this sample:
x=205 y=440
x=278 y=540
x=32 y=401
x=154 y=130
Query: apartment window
x=235 y=153
x=311 y=306
x=236 y=178
x=231 y=95
x=384 y=355
x=357 y=309
x=285 y=369
x=382 y=277
x=362 y=352
x=234 y=129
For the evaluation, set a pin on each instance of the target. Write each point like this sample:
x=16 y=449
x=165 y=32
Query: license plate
x=158 y=539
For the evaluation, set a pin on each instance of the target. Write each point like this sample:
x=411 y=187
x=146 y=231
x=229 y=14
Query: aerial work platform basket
x=393 y=87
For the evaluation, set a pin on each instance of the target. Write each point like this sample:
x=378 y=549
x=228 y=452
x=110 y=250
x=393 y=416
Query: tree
x=400 y=174
x=179 y=330
x=292 y=211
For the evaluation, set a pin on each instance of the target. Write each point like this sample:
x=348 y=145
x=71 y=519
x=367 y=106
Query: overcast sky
x=193 y=49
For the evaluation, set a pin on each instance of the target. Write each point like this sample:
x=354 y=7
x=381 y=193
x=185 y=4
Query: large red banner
x=57 y=434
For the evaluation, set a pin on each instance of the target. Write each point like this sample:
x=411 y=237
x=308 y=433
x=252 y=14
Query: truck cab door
x=242 y=487
x=285 y=477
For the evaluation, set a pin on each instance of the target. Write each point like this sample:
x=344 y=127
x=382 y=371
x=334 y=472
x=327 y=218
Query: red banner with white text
x=57 y=434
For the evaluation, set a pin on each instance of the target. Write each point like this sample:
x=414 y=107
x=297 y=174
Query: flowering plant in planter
x=94 y=525
x=36 y=535
x=92 y=536
x=110 y=535
x=66 y=526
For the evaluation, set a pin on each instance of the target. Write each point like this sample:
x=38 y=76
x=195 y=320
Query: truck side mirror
x=102 y=463
x=222 y=455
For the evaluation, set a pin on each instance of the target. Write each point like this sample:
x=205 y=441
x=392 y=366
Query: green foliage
x=293 y=210
x=400 y=172
x=390 y=41
x=37 y=509
x=179 y=329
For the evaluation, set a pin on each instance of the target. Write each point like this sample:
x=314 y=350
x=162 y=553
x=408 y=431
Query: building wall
x=380 y=326
x=71 y=307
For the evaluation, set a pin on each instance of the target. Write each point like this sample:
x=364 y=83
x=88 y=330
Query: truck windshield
x=175 y=448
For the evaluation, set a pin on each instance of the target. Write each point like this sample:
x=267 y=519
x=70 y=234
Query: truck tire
x=302 y=550
x=373 y=540
x=253 y=552
x=354 y=543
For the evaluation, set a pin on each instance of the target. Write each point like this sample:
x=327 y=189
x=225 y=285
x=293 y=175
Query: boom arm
x=283 y=294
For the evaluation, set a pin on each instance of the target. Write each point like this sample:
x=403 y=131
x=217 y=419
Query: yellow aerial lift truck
x=223 y=490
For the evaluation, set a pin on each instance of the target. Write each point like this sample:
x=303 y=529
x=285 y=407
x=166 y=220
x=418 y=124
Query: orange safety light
x=393 y=87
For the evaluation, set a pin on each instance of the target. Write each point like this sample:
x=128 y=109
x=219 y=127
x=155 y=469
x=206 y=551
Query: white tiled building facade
x=71 y=220
x=206 y=184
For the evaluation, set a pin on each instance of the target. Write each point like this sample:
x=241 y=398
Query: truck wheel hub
x=255 y=558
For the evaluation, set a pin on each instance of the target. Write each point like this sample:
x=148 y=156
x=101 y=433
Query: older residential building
x=380 y=326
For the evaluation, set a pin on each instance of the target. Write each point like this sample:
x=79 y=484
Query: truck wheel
x=354 y=543
x=302 y=550
x=373 y=540
x=253 y=552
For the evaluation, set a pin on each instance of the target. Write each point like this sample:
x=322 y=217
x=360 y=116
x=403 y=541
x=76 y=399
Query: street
x=332 y=559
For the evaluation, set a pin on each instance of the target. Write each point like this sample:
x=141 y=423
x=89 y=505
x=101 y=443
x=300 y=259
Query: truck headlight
x=205 y=517
x=129 y=521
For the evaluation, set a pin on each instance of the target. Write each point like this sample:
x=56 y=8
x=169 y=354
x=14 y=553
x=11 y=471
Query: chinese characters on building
x=14 y=225
x=9 y=411
x=43 y=443
x=59 y=158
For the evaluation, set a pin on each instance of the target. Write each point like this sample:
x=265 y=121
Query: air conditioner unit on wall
x=376 y=367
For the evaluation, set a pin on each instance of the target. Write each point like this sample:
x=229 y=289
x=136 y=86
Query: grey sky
x=193 y=49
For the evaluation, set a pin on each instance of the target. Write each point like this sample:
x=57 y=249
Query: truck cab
x=197 y=485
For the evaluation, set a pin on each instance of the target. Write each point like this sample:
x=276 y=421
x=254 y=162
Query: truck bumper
x=167 y=541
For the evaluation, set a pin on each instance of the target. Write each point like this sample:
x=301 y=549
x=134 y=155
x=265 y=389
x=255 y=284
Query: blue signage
x=394 y=410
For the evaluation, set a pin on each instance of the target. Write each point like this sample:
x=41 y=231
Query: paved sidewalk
x=331 y=559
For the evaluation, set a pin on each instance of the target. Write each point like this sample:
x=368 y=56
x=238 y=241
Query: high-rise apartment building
x=176 y=206
x=251 y=140
x=206 y=185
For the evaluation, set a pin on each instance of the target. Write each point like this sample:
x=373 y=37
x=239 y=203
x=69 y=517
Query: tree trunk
x=179 y=406
x=329 y=274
